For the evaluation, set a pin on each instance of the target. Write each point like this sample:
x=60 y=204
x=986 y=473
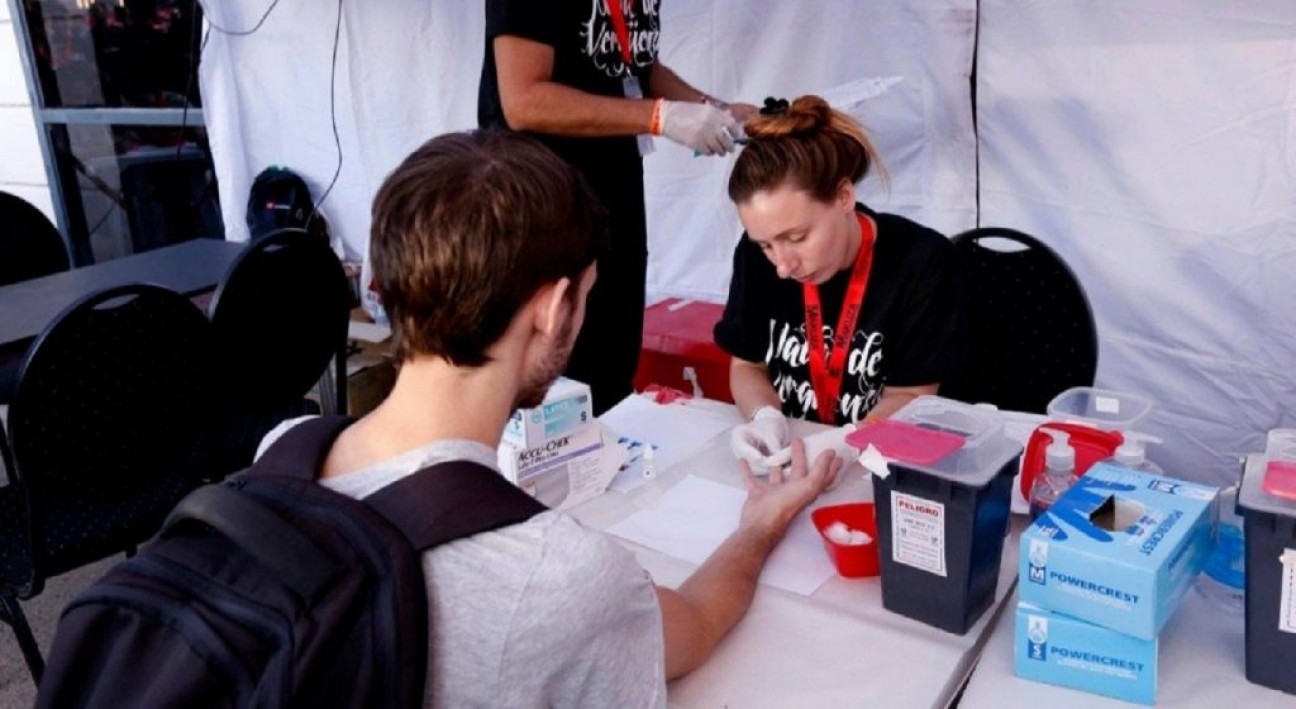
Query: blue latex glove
x=1067 y=509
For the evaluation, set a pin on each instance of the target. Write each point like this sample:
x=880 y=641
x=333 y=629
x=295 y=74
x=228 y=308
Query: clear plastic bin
x=941 y=523
x=1270 y=537
x=1104 y=408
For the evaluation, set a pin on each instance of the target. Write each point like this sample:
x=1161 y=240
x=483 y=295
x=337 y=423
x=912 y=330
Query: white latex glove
x=834 y=439
x=699 y=126
x=763 y=441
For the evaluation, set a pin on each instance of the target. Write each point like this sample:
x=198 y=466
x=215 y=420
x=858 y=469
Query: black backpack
x=270 y=590
x=278 y=199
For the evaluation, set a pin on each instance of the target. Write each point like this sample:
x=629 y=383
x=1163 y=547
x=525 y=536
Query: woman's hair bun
x=807 y=114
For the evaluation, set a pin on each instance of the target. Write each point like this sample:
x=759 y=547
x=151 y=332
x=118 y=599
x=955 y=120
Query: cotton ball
x=838 y=532
x=859 y=538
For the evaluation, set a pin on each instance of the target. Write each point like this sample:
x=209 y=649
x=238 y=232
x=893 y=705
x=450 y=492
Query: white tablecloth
x=836 y=648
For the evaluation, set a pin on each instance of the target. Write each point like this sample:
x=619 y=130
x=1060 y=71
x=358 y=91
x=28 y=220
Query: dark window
x=101 y=54
x=120 y=106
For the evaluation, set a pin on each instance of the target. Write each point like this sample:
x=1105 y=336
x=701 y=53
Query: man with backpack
x=484 y=248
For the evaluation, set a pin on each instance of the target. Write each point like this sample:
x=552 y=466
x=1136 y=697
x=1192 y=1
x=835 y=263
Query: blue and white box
x=1057 y=649
x=1119 y=549
x=567 y=408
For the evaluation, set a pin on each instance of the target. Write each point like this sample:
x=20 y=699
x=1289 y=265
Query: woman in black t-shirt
x=836 y=313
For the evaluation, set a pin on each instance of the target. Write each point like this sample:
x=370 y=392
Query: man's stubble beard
x=537 y=382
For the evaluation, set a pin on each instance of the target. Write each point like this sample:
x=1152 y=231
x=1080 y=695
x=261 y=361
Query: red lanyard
x=623 y=32
x=827 y=376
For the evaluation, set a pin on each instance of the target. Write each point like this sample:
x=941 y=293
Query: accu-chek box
x=566 y=409
x=1119 y=549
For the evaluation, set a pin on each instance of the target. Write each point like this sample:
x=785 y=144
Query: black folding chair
x=30 y=245
x=105 y=420
x=279 y=321
x=1031 y=333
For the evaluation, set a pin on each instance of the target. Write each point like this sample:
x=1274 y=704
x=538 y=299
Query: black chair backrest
x=280 y=317
x=1030 y=332
x=30 y=246
x=110 y=404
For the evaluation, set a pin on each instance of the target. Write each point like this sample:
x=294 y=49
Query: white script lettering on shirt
x=604 y=47
x=863 y=362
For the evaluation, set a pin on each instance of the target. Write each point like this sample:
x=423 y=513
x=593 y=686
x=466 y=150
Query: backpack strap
x=452 y=500
x=300 y=452
x=437 y=504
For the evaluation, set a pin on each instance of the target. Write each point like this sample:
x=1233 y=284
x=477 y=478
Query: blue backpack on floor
x=270 y=590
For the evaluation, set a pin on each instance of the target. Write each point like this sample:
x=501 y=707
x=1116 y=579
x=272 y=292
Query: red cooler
x=677 y=334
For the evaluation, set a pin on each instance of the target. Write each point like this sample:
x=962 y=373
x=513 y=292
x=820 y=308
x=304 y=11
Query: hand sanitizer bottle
x=1058 y=473
x=1132 y=453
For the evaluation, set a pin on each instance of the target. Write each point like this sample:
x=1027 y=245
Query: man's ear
x=551 y=306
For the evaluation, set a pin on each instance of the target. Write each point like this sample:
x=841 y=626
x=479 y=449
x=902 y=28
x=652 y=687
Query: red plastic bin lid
x=1280 y=479
x=905 y=441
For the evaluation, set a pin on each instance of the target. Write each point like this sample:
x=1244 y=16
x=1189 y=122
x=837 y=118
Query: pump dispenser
x=1058 y=474
x=1132 y=454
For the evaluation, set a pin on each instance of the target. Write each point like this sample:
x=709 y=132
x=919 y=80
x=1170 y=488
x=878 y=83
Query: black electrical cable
x=193 y=70
x=244 y=33
x=337 y=140
x=976 y=128
x=104 y=218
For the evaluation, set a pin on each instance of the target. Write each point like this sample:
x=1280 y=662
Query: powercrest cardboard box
x=1119 y=549
x=1057 y=649
x=566 y=409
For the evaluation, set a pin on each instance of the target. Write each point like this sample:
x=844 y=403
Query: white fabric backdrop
x=1153 y=144
x=914 y=59
x=408 y=70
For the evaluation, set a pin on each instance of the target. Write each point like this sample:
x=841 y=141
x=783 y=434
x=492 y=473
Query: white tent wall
x=1153 y=145
x=408 y=70
x=900 y=67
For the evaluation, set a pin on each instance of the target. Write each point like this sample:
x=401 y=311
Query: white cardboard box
x=566 y=409
x=517 y=463
x=569 y=472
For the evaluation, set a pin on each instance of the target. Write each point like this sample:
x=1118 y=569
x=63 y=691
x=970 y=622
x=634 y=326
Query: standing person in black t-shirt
x=575 y=73
x=836 y=313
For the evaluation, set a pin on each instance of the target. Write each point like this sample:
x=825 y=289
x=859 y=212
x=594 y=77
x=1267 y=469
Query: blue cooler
x=942 y=522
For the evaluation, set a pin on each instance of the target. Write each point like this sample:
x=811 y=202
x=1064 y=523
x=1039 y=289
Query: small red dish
x=851 y=560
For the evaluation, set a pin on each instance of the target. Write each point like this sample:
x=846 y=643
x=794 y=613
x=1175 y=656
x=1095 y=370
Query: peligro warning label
x=1287 y=599
x=918 y=533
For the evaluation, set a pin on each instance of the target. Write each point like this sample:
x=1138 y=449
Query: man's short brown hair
x=467 y=229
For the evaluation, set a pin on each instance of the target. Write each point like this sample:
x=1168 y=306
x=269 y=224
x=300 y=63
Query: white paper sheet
x=675 y=430
x=692 y=518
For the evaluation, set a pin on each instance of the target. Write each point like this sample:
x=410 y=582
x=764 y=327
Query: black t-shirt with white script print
x=587 y=56
x=907 y=334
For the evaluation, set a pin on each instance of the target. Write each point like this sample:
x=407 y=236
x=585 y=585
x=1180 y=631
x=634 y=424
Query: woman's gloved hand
x=765 y=442
x=704 y=128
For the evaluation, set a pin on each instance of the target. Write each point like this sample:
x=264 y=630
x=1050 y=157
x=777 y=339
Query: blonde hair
x=811 y=146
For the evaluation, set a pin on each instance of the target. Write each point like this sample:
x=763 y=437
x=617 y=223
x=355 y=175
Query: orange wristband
x=655 y=128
